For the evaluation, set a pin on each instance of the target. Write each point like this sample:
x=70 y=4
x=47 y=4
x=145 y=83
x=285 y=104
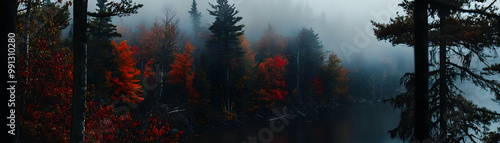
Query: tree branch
x=450 y=6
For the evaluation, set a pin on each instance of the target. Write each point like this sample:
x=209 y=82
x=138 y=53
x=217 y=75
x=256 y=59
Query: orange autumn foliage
x=126 y=87
x=181 y=72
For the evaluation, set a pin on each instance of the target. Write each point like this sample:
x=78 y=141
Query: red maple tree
x=271 y=73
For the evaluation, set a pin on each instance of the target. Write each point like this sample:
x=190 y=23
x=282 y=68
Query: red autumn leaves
x=181 y=72
x=126 y=87
x=271 y=73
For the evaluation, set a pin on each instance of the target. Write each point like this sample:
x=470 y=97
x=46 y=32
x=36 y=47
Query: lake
x=360 y=123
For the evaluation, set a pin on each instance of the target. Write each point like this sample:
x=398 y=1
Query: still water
x=361 y=123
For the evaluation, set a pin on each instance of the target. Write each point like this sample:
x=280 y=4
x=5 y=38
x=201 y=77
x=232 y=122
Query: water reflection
x=361 y=123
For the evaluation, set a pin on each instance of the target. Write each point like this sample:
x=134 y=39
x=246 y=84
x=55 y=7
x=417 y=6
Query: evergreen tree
x=306 y=59
x=223 y=43
x=100 y=51
x=195 y=17
x=453 y=34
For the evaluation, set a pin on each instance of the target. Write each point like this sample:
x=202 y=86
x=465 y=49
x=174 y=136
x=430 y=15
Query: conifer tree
x=223 y=43
x=195 y=17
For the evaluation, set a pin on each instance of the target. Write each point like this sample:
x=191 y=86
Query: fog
x=343 y=26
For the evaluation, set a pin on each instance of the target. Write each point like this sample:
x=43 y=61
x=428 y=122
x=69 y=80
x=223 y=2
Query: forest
x=209 y=75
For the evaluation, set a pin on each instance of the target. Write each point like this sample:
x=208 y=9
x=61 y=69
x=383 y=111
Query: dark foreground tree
x=79 y=71
x=456 y=36
x=125 y=7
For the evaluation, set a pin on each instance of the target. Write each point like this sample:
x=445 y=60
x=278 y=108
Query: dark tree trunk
x=77 y=134
x=422 y=118
x=443 y=89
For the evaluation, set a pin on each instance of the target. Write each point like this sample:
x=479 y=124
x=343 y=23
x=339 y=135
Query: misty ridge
x=258 y=71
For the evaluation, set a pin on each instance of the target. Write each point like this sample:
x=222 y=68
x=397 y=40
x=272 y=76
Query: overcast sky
x=343 y=25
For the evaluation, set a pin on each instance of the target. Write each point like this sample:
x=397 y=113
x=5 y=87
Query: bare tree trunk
x=443 y=89
x=28 y=18
x=77 y=134
x=422 y=117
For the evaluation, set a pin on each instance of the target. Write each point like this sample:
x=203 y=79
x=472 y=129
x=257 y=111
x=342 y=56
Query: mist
x=321 y=74
x=343 y=26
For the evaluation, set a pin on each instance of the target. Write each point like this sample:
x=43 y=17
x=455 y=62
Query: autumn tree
x=272 y=73
x=159 y=46
x=223 y=44
x=45 y=87
x=332 y=82
x=126 y=86
x=182 y=75
x=452 y=34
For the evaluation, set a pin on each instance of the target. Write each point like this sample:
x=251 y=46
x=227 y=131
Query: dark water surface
x=361 y=123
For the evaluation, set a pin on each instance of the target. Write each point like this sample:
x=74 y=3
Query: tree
x=270 y=43
x=49 y=99
x=223 y=43
x=125 y=7
x=181 y=74
x=47 y=81
x=159 y=46
x=125 y=86
x=195 y=17
x=101 y=55
x=306 y=51
x=272 y=75
x=333 y=77
x=244 y=77
x=422 y=117
x=79 y=71
x=456 y=35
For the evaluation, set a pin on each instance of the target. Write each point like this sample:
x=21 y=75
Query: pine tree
x=101 y=56
x=223 y=43
x=453 y=34
x=195 y=17
x=306 y=59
